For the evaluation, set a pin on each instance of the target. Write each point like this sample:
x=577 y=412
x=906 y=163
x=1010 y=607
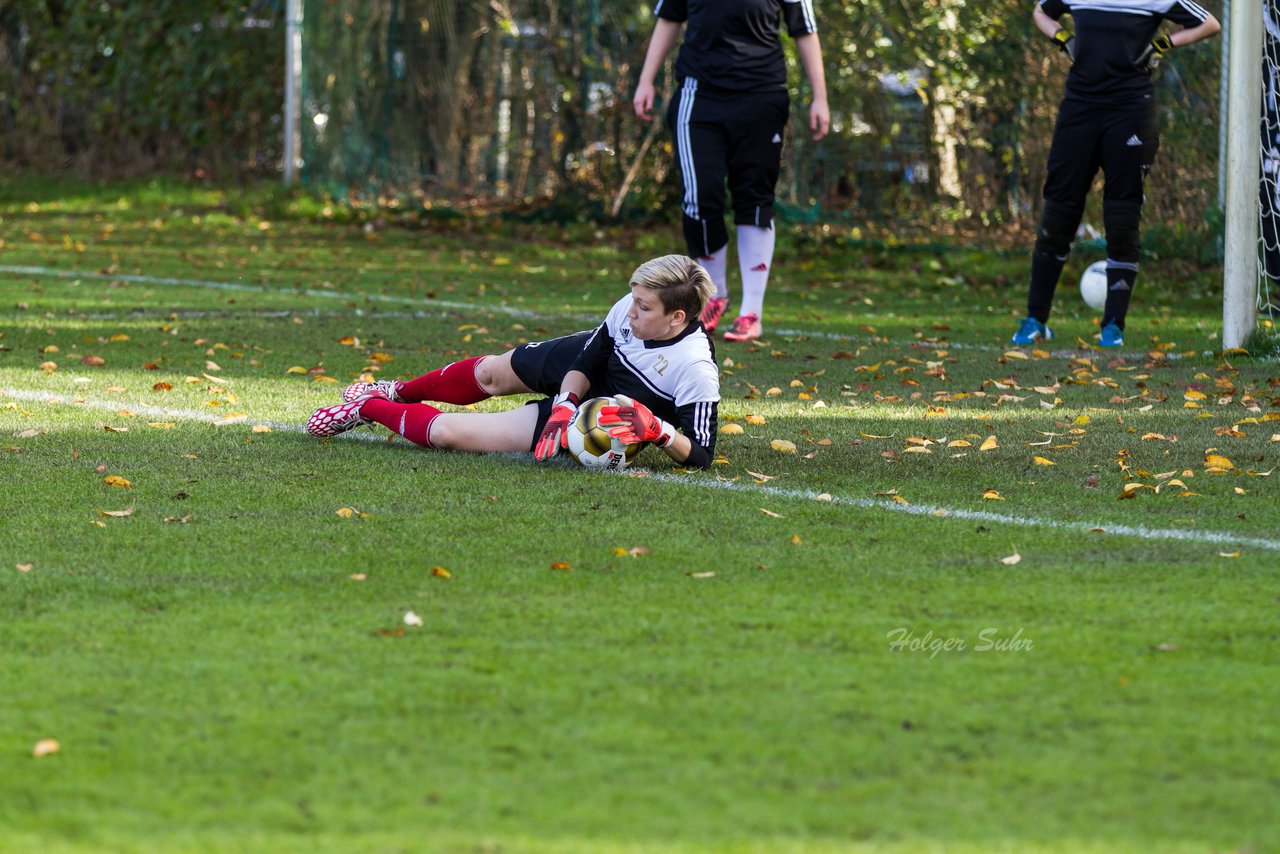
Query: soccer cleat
x=712 y=313
x=332 y=420
x=1030 y=332
x=745 y=328
x=1112 y=336
x=390 y=389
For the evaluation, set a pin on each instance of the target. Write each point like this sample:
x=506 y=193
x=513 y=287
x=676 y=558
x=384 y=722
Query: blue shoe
x=1112 y=336
x=1032 y=331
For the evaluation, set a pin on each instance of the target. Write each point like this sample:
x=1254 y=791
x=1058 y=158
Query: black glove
x=1066 y=42
x=1149 y=61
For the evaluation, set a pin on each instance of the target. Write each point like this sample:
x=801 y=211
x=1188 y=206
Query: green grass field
x=995 y=600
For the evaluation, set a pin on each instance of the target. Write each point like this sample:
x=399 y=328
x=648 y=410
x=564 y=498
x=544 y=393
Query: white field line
x=927 y=511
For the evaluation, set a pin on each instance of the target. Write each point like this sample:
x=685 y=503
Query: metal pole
x=1224 y=98
x=292 y=91
x=1240 y=266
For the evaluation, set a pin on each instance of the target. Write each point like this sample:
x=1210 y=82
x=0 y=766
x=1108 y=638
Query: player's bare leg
x=495 y=375
x=485 y=432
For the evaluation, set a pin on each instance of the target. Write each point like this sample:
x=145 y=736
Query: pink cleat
x=745 y=328
x=712 y=313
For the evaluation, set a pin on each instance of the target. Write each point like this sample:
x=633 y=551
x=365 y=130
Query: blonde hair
x=679 y=281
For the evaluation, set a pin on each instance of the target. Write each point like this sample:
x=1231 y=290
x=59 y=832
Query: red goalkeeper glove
x=631 y=421
x=555 y=435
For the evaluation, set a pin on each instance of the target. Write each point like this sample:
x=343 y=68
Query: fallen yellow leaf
x=992 y=495
x=1041 y=461
x=731 y=429
x=45 y=747
x=117 y=481
x=756 y=420
x=783 y=446
x=988 y=444
x=441 y=572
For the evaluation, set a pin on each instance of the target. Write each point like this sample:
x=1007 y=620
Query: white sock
x=755 y=259
x=715 y=264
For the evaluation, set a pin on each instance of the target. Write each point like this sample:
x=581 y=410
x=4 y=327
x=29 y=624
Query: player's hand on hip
x=632 y=421
x=819 y=119
x=643 y=101
x=1066 y=43
x=555 y=435
x=1149 y=59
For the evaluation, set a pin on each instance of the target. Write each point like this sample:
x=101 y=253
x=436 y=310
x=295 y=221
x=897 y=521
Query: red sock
x=410 y=420
x=455 y=383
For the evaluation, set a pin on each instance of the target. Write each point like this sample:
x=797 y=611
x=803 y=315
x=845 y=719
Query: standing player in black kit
x=1107 y=120
x=728 y=121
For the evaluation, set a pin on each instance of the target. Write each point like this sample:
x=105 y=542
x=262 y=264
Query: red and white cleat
x=332 y=420
x=390 y=389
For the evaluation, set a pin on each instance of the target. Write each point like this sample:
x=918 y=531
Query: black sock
x=1046 y=269
x=1119 y=289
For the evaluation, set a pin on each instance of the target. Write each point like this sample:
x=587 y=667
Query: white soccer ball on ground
x=1093 y=285
x=591 y=445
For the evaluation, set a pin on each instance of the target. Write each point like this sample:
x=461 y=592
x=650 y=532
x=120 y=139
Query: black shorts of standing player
x=723 y=135
x=1122 y=142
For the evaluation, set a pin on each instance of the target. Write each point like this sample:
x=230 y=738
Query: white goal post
x=1240 y=269
x=292 y=91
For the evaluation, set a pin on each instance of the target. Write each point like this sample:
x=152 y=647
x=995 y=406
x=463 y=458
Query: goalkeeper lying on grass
x=650 y=350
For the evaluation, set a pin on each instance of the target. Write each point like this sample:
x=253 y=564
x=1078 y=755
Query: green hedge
x=118 y=88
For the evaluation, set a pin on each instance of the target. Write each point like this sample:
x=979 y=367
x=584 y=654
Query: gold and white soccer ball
x=591 y=445
x=1093 y=285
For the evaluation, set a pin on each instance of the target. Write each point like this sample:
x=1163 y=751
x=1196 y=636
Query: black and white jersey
x=1110 y=37
x=677 y=378
x=735 y=44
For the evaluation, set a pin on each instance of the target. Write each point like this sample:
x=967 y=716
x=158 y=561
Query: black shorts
x=542 y=365
x=723 y=135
